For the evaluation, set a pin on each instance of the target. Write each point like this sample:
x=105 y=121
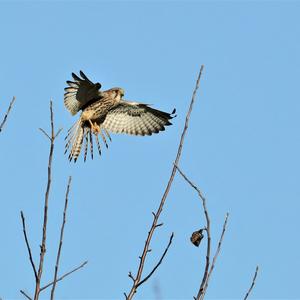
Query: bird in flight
x=104 y=112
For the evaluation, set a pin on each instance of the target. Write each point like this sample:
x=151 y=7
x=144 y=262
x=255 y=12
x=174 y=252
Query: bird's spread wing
x=80 y=92
x=136 y=119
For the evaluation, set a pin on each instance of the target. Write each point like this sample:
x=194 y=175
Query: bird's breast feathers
x=87 y=115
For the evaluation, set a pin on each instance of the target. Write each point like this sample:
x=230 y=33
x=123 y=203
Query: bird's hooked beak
x=122 y=92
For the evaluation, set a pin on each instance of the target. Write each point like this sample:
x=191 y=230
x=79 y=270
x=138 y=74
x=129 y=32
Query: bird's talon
x=96 y=129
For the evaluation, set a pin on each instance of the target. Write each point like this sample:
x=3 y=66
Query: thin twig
x=215 y=257
x=7 y=113
x=61 y=239
x=164 y=197
x=207 y=264
x=24 y=294
x=252 y=284
x=58 y=132
x=28 y=246
x=63 y=276
x=159 y=262
x=45 y=133
x=49 y=178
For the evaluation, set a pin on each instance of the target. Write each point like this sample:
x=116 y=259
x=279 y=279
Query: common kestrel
x=104 y=112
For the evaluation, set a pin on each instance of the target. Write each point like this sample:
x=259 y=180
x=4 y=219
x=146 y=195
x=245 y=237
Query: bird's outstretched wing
x=136 y=119
x=80 y=93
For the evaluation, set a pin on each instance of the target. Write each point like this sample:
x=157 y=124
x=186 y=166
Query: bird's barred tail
x=78 y=135
x=74 y=140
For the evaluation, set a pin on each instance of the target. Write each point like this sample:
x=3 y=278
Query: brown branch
x=63 y=276
x=215 y=257
x=207 y=229
x=159 y=262
x=61 y=238
x=28 y=246
x=164 y=197
x=25 y=295
x=7 y=112
x=49 y=179
x=252 y=284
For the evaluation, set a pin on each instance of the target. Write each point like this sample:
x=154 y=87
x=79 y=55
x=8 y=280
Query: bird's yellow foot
x=95 y=127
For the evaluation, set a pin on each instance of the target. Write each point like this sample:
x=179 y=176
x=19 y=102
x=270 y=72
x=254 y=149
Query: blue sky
x=242 y=148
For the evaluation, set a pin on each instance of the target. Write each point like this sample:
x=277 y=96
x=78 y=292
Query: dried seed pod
x=196 y=237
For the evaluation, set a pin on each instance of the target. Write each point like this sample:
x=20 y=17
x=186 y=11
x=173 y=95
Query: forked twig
x=159 y=262
x=207 y=229
x=137 y=280
x=61 y=238
x=252 y=284
x=7 y=112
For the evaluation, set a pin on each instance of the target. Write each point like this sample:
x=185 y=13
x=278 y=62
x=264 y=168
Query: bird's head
x=116 y=92
x=121 y=92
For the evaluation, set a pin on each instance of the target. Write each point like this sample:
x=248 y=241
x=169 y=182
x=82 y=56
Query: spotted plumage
x=104 y=112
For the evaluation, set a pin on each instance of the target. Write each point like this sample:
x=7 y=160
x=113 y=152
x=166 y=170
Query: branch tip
x=65 y=275
x=45 y=133
x=25 y=295
x=58 y=132
x=252 y=284
x=7 y=113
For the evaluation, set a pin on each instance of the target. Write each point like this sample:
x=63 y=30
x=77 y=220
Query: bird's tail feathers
x=80 y=135
x=74 y=140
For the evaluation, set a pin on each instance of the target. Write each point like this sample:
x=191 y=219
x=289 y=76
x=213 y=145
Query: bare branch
x=215 y=257
x=7 y=112
x=207 y=263
x=61 y=238
x=159 y=262
x=44 y=236
x=164 y=197
x=63 y=276
x=25 y=295
x=28 y=246
x=252 y=284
